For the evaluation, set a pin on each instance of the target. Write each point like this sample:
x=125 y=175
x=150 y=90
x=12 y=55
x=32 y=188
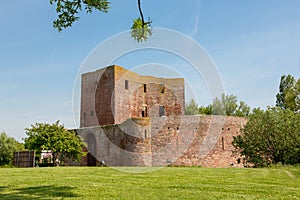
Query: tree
x=63 y=143
x=270 y=137
x=224 y=106
x=227 y=105
x=288 y=96
x=206 y=110
x=68 y=11
x=192 y=108
x=298 y=95
x=243 y=110
x=8 y=146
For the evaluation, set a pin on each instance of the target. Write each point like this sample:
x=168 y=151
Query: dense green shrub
x=270 y=137
x=7 y=147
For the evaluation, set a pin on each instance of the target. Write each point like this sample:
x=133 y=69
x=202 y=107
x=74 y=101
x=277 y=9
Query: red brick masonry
x=133 y=120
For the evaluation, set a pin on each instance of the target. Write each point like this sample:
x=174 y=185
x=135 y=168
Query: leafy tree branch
x=141 y=29
x=68 y=11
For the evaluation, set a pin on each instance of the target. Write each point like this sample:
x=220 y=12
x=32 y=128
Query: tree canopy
x=63 y=143
x=228 y=105
x=8 y=146
x=68 y=11
x=270 y=137
x=288 y=96
x=225 y=105
x=192 y=108
x=273 y=136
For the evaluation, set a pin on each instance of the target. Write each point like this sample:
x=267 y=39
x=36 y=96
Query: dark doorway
x=91 y=160
x=91 y=156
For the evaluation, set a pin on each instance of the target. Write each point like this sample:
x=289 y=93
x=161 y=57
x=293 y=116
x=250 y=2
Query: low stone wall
x=195 y=140
x=174 y=140
x=120 y=144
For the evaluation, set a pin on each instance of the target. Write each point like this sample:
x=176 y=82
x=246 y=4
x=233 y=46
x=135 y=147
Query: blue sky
x=252 y=43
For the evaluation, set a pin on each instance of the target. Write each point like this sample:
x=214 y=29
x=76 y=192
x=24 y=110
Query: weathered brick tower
x=112 y=95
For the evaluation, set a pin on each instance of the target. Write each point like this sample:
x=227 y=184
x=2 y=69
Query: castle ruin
x=128 y=119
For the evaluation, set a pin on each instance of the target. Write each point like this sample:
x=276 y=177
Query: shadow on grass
x=2 y=188
x=40 y=192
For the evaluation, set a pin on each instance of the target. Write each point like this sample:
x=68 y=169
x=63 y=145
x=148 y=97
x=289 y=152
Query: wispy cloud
x=196 y=26
x=56 y=47
x=197 y=19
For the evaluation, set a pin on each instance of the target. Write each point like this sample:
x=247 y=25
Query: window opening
x=161 y=111
x=162 y=88
x=223 y=146
x=145 y=112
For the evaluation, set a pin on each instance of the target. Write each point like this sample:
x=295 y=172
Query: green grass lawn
x=166 y=183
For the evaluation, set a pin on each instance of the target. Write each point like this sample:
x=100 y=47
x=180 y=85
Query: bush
x=270 y=137
x=7 y=147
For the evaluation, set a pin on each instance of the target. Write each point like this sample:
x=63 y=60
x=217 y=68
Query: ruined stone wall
x=171 y=137
x=125 y=144
x=195 y=140
x=170 y=140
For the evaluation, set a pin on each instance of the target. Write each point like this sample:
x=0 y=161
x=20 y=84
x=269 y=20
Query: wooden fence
x=24 y=159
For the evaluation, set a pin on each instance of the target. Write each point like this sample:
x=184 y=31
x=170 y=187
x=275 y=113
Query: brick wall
x=173 y=140
x=106 y=100
x=104 y=97
x=121 y=144
x=89 y=83
x=144 y=95
x=142 y=123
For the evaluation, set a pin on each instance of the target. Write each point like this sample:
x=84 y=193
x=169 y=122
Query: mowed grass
x=166 y=183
